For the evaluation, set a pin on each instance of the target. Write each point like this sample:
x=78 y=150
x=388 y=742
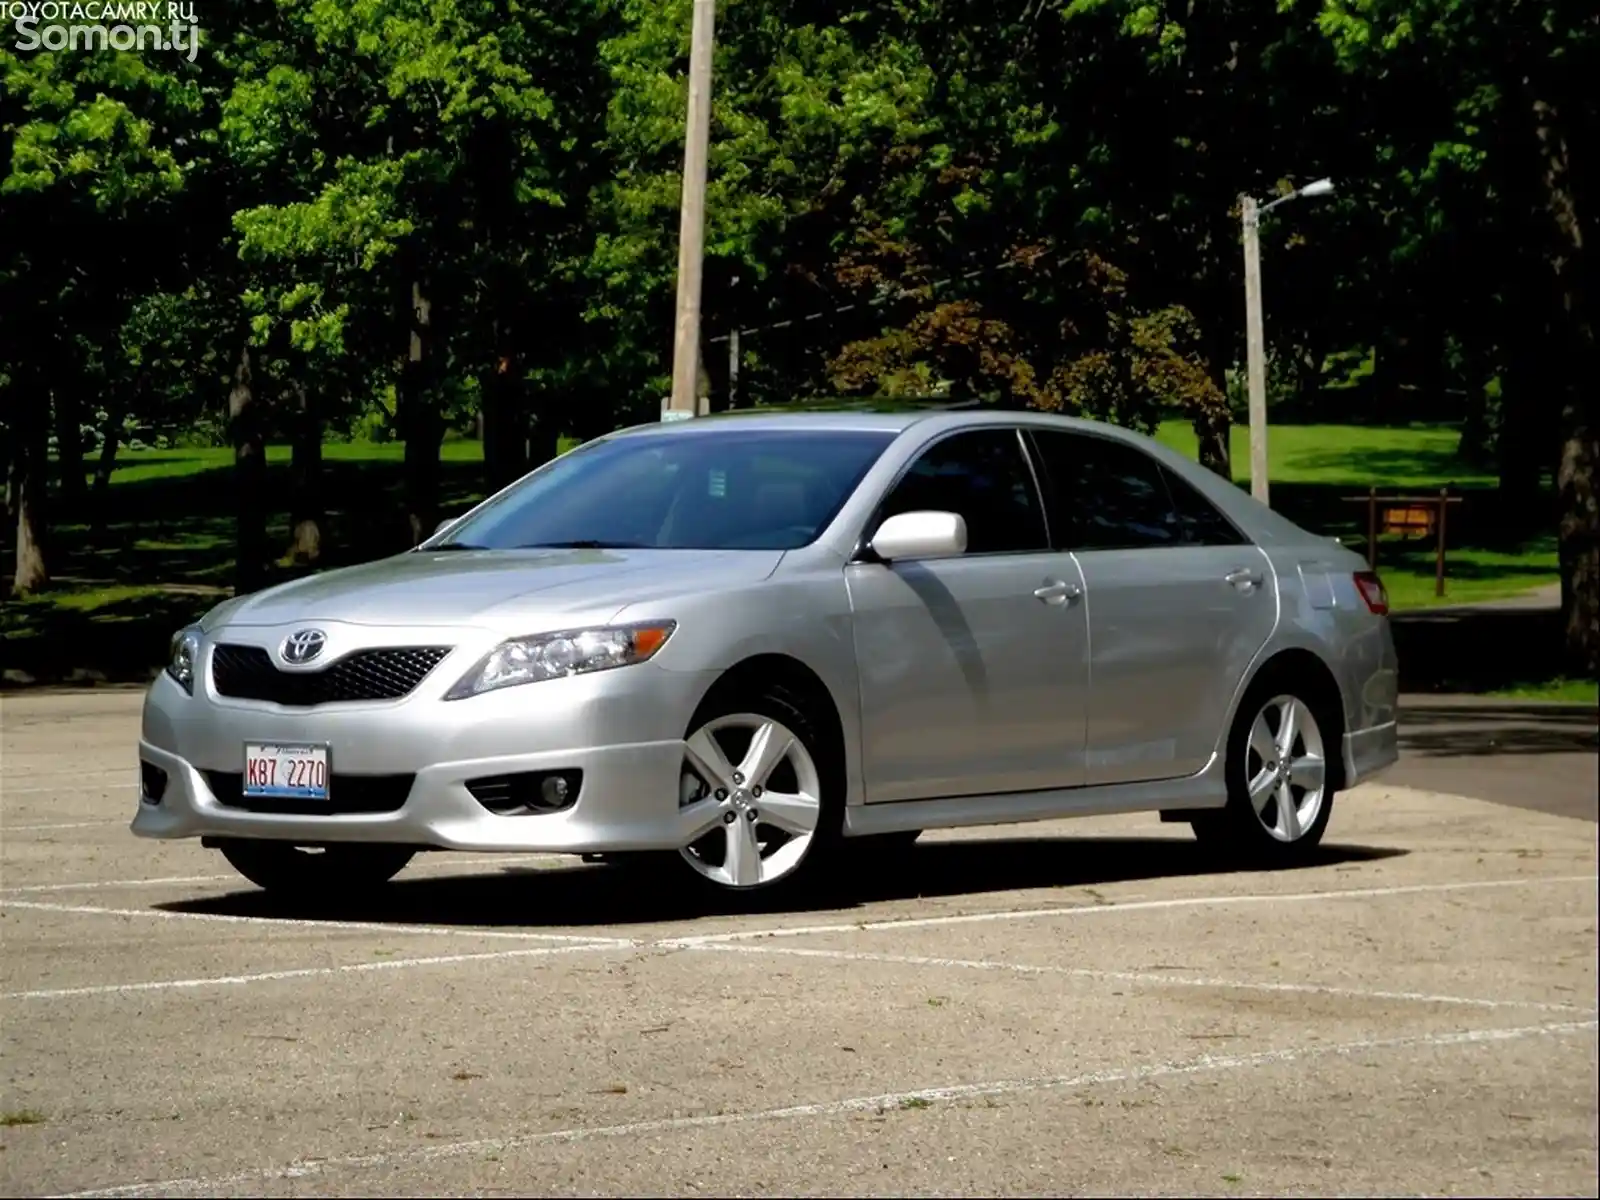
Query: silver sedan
x=755 y=643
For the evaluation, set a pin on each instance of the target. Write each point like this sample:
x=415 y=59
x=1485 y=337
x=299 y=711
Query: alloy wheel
x=1286 y=768
x=757 y=792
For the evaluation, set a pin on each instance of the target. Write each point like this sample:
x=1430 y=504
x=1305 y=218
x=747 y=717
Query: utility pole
x=1255 y=349
x=1254 y=338
x=733 y=354
x=683 y=403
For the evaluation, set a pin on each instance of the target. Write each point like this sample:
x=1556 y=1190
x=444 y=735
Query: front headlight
x=570 y=652
x=184 y=652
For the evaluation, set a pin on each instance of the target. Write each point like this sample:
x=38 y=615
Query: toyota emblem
x=303 y=646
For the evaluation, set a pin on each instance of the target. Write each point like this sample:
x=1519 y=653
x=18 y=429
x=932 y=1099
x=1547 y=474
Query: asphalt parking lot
x=1074 y=1007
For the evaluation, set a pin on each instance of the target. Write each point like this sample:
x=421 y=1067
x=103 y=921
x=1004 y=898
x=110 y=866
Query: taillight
x=1373 y=592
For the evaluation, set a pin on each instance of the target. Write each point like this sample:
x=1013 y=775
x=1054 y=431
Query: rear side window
x=1202 y=522
x=984 y=476
x=1106 y=495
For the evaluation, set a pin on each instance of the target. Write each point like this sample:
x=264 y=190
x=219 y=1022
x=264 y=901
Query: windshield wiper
x=453 y=546
x=584 y=544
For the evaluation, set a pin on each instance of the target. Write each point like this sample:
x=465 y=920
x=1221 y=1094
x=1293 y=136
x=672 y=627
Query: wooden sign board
x=1409 y=521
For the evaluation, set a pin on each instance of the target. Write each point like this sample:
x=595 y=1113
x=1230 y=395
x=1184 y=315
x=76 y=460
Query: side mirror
x=443 y=525
x=921 y=535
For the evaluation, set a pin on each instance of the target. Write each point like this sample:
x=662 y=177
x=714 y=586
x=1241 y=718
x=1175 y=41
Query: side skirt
x=1177 y=796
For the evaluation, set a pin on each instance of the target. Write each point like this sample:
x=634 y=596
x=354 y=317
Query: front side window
x=984 y=476
x=725 y=489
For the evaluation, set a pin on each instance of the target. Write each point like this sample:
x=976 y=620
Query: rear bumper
x=1368 y=751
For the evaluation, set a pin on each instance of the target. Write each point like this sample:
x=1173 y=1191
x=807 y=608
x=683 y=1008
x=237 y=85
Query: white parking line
x=1151 y=977
x=391 y=964
x=305 y=1168
x=94 y=885
x=5 y=829
x=86 y=910
x=37 y=888
x=1078 y=910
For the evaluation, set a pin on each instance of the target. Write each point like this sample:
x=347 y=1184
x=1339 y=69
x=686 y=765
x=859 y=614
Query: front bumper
x=628 y=801
x=623 y=729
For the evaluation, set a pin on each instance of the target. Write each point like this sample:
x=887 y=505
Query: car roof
x=880 y=421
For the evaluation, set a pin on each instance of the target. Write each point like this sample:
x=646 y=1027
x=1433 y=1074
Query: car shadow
x=597 y=895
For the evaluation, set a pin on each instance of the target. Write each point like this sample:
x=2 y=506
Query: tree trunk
x=13 y=457
x=1522 y=444
x=110 y=443
x=250 y=478
x=419 y=421
x=1574 y=348
x=306 y=513
x=544 y=438
x=69 y=448
x=1213 y=432
x=31 y=452
x=1580 y=535
x=1476 y=443
x=505 y=425
x=1213 y=422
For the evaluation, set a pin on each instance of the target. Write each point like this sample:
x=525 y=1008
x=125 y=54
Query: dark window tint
x=1202 y=523
x=983 y=476
x=1107 y=495
x=716 y=489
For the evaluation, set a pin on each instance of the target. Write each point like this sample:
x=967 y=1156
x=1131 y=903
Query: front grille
x=347 y=794
x=248 y=673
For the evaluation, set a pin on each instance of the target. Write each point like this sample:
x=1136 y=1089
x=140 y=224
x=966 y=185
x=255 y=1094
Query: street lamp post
x=683 y=402
x=1255 y=339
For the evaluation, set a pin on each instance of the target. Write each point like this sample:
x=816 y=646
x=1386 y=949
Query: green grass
x=1472 y=575
x=1351 y=456
x=1566 y=691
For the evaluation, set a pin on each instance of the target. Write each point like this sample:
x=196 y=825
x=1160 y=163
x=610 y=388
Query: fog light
x=527 y=793
x=152 y=783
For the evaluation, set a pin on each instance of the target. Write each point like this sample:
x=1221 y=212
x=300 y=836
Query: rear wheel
x=766 y=788
x=287 y=869
x=1278 y=774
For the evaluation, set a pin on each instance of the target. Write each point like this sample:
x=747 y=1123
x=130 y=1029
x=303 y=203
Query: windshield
x=732 y=489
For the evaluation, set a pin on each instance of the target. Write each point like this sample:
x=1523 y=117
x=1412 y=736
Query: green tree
x=1504 y=92
x=92 y=173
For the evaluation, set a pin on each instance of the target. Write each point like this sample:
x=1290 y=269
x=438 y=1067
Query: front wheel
x=285 y=869
x=1279 y=799
x=765 y=787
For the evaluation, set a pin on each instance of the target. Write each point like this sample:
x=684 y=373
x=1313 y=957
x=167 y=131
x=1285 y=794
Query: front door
x=973 y=669
x=1179 y=603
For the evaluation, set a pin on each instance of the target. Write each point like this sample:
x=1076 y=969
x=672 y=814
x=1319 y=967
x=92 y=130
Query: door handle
x=1244 y=578
x=1057 y=591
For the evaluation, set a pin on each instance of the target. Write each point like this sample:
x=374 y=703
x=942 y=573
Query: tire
x=340 y=870
x=1275 y=816
x=772 y=814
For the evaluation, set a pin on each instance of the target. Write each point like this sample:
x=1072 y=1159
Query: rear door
x=973 y=668
x=1179 y=603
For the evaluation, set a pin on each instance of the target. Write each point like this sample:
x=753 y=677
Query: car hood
x=468 y=587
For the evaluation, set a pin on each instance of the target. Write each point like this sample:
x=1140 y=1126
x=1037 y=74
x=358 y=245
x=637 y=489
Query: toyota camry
x=754 y=643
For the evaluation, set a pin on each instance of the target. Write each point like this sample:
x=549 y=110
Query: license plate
x=297 y=772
